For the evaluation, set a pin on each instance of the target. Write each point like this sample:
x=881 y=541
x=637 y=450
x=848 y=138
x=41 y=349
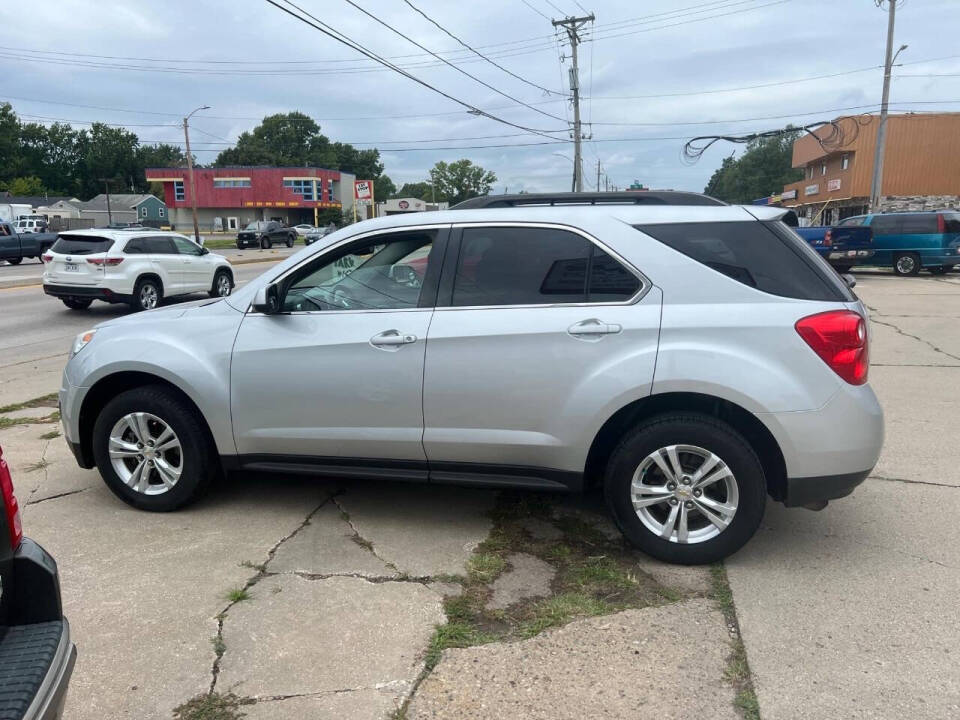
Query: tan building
x=921 y=168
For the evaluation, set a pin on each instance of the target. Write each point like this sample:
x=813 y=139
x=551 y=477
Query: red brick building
x=228 y=198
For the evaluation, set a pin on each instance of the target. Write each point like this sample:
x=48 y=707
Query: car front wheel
x=266 y=243
x=152 y=449
x=290 y=239
x=222 y=284
x=686 y=488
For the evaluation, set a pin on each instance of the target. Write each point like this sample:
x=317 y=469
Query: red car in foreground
x=36 y=653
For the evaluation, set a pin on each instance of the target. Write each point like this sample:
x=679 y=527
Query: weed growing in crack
x=235 y=595
x=261 y=567
x=39 y=465
x=362 y=542
x=212 y=706
x=485 y=567
x=737 y=672
x=42 y=401
x=50 y=435
x=219 y=647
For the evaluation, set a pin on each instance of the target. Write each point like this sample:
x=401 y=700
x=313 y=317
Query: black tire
x=704 y=432
x=215 y=289
x=266 y=243
x=240 y=245
x=906 y=264
x=138 y=302
x=841 y=269
x=940 y=269
x=290 y=240
x=15 y=261
x=77 y=303
x=199 y=460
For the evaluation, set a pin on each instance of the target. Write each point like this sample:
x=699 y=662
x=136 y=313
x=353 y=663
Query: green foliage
x=236 y=595
x=383 y=188
x=461 y=180
x=31 y=185
x=763 y=169
x=212 y=706
x=420 y=190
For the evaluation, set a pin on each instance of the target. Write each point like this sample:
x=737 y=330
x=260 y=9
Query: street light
x=193 y=185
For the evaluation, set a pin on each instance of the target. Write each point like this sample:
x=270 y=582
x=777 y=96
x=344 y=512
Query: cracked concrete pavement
x=850 y=612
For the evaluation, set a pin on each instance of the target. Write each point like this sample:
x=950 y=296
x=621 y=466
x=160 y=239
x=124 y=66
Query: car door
x=335 y=379
x=166 y=263
x=540 y=333
x=197 y=273
x=887 y=237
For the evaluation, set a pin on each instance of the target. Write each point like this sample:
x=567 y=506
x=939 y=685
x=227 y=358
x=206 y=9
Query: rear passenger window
x=160 y=245
x=951 y=222
x=135 y=247
x=885 y=225
x=536 y=266
x=924 y=224
x=768 y=257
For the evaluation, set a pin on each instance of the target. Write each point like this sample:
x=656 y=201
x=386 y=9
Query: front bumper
x=85 y=292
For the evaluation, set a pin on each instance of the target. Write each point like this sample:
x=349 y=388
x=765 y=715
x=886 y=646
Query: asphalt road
x=36 y=330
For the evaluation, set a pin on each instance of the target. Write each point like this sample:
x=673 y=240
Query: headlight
x=81 y=341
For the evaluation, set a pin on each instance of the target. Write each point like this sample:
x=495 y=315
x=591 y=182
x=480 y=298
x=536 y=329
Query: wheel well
x=150 y=276
x=226 y=270
x=107 y=388
x=743 y=421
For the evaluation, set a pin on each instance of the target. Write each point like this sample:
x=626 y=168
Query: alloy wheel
x=148 y=297
x=684 y=494
x=223 y=285
x=906 y=264
x=145 y=453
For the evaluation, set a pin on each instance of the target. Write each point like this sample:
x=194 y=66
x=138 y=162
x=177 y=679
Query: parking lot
x=303 y=597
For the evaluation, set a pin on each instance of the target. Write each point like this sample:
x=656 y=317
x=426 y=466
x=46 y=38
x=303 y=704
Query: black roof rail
x=635 y=197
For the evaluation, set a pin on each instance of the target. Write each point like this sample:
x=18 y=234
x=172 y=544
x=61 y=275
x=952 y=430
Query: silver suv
x=688 y=356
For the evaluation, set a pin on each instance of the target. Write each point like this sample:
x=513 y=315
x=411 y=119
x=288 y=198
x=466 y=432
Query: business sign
x=789 y=194
x=833 y=184
x=811 y=189
x=363 y=190
x=403 y=204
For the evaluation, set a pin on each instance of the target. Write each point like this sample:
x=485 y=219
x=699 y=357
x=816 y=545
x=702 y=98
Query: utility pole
x=572 y=25
x=876 y=184
x=598 y=175
x=106 y=186
x=193 y=184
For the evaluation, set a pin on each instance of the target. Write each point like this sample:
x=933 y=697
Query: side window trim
x=445 y=294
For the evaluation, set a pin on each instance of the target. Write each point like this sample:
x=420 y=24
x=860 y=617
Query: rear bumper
x=849 y=255
x=814 y=490
x=85 y=291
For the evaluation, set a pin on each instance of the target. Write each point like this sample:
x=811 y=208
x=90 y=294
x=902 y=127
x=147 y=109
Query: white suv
x=139 y=267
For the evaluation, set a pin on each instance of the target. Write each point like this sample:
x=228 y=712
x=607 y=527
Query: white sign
x=789 y=195
x=833 y=184
x=811 y=189
x=362 y=190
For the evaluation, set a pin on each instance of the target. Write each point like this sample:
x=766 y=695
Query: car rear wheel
x=222 y=284
x=906 y=264
x=685 y=488
x=940 y=269
x=77 y=303
x=15 y=261
x=152 y=449
x=147 y=294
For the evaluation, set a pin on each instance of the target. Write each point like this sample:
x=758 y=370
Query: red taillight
x=839 y=337
x=46 y=258
x=828 y=238
x=941 y=223
x=105 y=260
x=10 y=503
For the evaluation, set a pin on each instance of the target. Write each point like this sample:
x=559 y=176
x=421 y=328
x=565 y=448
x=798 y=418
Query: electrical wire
x=327 y=30
x=545 y=17
x=479 y=54
x=447 y=62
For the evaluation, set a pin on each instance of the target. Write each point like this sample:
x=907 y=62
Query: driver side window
x=384 y=272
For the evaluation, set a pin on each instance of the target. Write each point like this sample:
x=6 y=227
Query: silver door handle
x=594 y=327
x=392 y=337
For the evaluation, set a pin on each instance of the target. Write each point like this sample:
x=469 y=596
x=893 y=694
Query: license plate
x=71 y=267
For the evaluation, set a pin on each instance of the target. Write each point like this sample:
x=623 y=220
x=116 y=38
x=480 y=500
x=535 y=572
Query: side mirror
x=204 y=251
x=267 y=300
x=850 y=280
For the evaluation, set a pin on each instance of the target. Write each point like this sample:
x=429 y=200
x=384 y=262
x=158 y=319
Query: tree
x=763 y=169
x=383 y=188
x=285 y=139
x=162 y=155
x=461 y=180
x=31 y=185
x=107 y=152
x=420 y=190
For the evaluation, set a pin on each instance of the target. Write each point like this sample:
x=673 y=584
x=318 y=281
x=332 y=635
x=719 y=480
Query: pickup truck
x=14 y=247
x=841 y=246
x=36 y=653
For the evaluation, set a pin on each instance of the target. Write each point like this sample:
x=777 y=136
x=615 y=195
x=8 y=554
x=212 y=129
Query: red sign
x=362 y=190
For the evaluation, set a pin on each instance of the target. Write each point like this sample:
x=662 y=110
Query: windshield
x=257 y=225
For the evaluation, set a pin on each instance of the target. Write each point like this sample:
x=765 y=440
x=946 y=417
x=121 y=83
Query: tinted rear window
x=924 y=224
x=951 y=222
x=767 y=256
x=81 y=244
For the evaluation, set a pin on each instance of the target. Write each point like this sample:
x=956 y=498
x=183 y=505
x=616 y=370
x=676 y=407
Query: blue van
x=911 y=241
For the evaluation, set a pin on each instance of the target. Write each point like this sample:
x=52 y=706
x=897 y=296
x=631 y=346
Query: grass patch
x=212 y=706
x=559 y=610
x=236 y=595
x=454 y=635
x=219 y=647
x=41 y=464
x=737 y=672
x=50 y=435
x=484 y=567
x=42 y=401
x=219 y=243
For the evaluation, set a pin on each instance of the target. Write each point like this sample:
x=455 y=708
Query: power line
x=343 y=39
x=479 y=54
x=447 y=62
x=545 y=17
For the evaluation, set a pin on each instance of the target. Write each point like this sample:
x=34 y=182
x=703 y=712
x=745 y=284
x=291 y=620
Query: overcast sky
x=246 y=59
